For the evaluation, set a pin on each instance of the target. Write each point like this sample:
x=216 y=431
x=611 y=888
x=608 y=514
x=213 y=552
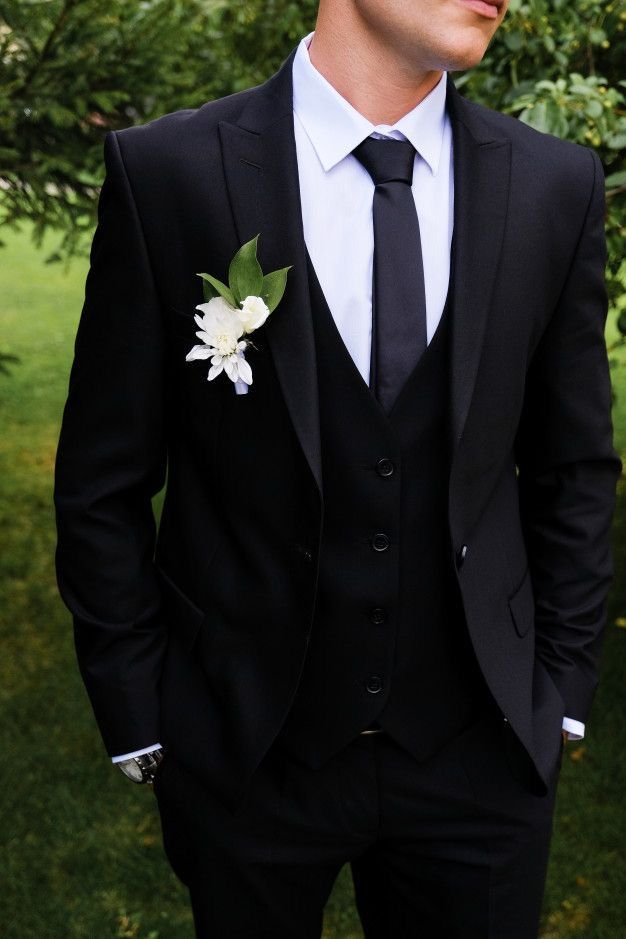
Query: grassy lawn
x=80 y=852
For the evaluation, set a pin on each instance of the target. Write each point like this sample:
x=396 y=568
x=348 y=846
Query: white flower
x=221 y=331
x=224 y=322
x=254 y=311
x=219 y=325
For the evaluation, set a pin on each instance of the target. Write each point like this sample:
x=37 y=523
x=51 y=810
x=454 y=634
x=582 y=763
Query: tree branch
x=48 y=44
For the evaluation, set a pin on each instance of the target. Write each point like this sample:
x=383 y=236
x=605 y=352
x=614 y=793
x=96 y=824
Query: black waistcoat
x=389 y=642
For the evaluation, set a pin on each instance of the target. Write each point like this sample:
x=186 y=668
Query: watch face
x=132 y=769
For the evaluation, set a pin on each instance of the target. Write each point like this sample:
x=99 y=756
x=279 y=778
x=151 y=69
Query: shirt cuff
x=129 y=756
x=575 y=729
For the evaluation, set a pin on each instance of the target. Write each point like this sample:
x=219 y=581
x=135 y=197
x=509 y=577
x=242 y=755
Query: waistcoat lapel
x=261 y=169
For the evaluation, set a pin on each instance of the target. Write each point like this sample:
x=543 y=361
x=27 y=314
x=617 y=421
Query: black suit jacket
x=200 y=643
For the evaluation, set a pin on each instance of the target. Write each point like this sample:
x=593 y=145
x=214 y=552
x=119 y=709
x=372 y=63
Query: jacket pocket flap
x=184 y=617
x=522 y=605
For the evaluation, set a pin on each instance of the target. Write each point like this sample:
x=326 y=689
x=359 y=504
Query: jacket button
x=385 y=467
x=374 y=684
x=380 y=542
x=304 y=552
x=460 y=557
x=378 y=616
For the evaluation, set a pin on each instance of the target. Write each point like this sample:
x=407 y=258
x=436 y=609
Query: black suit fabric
x=197 y=635
x=452 y=848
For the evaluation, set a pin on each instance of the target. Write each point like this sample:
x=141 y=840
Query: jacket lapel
x=261 y=170
x=481 y=188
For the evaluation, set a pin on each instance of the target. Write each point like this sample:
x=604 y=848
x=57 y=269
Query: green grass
x=80 y=852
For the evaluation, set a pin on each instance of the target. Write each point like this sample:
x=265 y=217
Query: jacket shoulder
x=180 y=130
x=529 y=146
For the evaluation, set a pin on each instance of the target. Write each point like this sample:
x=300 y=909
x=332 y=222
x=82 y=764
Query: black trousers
x=455 y=847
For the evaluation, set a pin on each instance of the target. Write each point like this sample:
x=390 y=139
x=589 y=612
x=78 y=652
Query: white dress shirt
x=336 y=194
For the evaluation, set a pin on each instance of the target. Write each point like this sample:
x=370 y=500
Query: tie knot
x=387 y=160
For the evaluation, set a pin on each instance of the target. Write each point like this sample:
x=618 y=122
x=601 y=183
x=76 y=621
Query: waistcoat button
x=374 y=684
x=385 y=467
x=378 y=616
x=380 y=542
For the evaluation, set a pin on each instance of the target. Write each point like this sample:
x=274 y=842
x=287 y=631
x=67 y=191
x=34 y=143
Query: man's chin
x=467 y=53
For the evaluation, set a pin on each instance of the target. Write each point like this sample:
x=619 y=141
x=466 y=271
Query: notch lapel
x=261 y=171
x=481 y=189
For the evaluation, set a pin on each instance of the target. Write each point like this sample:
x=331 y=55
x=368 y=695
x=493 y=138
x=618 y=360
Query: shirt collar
x=335 y=128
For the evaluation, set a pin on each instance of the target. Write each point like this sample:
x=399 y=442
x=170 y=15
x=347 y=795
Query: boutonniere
x=231 y=312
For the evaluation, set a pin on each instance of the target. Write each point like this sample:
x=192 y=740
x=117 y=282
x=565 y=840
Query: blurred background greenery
x=80 y=853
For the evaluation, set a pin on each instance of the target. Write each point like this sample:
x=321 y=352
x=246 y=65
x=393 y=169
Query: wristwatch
x=142 y=769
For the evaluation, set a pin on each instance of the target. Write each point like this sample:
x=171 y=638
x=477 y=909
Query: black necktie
x=398 y=297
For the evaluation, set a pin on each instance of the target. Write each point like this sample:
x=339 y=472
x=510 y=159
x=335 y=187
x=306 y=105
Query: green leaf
x=594 y=108
x=513 y=41
x=208 y=292
x=536 y=117
x=244 y=274
x=615 y=179
x=219 y=288
x=274 y=287
x=556 y=122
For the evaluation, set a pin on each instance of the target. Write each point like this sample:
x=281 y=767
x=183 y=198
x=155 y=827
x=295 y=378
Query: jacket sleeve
x=111 y=460
x=568 y=469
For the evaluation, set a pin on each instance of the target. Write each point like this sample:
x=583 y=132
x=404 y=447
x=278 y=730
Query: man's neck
x=370 y=76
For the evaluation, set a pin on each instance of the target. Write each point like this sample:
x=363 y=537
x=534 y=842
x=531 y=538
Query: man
x=379 y=585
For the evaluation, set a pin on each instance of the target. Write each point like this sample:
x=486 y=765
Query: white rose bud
x=254 y=311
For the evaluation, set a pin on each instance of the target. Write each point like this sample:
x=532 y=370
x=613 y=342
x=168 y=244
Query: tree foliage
x=559 y=66
x=73 y=69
